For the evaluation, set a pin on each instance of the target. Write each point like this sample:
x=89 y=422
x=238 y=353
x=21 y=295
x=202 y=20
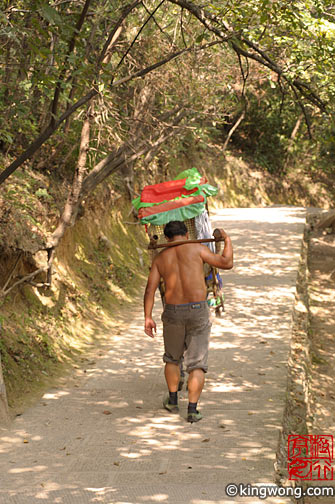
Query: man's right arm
x=223 y=261
x=149 y=298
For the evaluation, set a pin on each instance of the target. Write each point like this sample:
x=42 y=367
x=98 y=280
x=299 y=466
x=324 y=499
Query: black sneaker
x=173 y=408
x=194 y=417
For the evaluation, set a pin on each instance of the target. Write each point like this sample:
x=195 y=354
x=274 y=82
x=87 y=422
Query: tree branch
x=44 y=136
x=207 y=19
x=12 y=271
x=115 y=159
x=50 y=129
x=303 y=109
x=138 y=34
x=157 y=24
x=4 y=293
x=232 y=129
x=172 y=56
x=72 y=43
x=126 y=11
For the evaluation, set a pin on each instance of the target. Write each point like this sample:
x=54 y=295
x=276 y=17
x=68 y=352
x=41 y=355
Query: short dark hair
x=175 y=228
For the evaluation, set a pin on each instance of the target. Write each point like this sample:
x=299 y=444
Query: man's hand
x=223 y=233
x=150 y=325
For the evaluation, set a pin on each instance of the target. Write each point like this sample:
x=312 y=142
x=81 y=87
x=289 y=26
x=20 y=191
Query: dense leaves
x=160 y=77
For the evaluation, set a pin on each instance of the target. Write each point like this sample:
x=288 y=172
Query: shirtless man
x=186 y=322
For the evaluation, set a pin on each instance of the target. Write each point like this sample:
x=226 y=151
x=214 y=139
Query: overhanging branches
x=242 y=46
x=55 y=123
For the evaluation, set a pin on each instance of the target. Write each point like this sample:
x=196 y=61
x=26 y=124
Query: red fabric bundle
x=166 y=191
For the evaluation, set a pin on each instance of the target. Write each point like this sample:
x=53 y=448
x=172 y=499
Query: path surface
x=66 y=449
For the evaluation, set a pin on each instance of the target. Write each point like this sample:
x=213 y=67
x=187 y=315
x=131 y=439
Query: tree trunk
x=73 y=200
x=296 y=128
x=232 y=129
x=288 y=156
x=140 y=127
x=4 y=414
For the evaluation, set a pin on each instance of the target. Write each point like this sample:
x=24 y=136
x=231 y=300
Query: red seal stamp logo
x=310 y=457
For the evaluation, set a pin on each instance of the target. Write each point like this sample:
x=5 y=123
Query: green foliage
x=293 y=40
x=122 y=274
x=43 y=193
x=264 y=135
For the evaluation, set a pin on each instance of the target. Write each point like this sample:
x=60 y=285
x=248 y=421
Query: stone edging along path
x=105 y=437
x=309 y=406
x=297 y=398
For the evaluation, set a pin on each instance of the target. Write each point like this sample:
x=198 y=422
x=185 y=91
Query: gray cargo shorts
x=186 y=330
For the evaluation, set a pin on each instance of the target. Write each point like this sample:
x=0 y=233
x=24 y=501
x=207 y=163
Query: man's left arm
x=149 y=299
x=225 y=260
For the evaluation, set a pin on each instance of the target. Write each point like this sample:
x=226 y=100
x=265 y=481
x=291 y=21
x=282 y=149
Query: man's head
x=175 y=228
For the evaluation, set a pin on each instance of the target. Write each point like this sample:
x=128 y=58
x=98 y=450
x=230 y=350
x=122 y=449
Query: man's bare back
x=181 y=268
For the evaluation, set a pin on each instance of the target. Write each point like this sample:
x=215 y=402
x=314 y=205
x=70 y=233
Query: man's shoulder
x=161 y=254
x=203 y=248
x=160 y=257
x=165 y=253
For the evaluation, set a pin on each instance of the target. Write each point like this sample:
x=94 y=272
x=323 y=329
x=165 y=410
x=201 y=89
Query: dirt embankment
x=99 y=268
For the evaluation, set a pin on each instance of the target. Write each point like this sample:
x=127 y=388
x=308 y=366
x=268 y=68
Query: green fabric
x=181 y=214
x=192 y=176
x=193 y=179
x=209 y=190
x=137 y=204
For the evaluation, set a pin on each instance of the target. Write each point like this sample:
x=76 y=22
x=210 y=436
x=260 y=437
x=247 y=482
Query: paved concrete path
x=67 y=450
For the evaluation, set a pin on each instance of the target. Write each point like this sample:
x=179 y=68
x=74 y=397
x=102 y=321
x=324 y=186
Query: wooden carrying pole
x=217 y=238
